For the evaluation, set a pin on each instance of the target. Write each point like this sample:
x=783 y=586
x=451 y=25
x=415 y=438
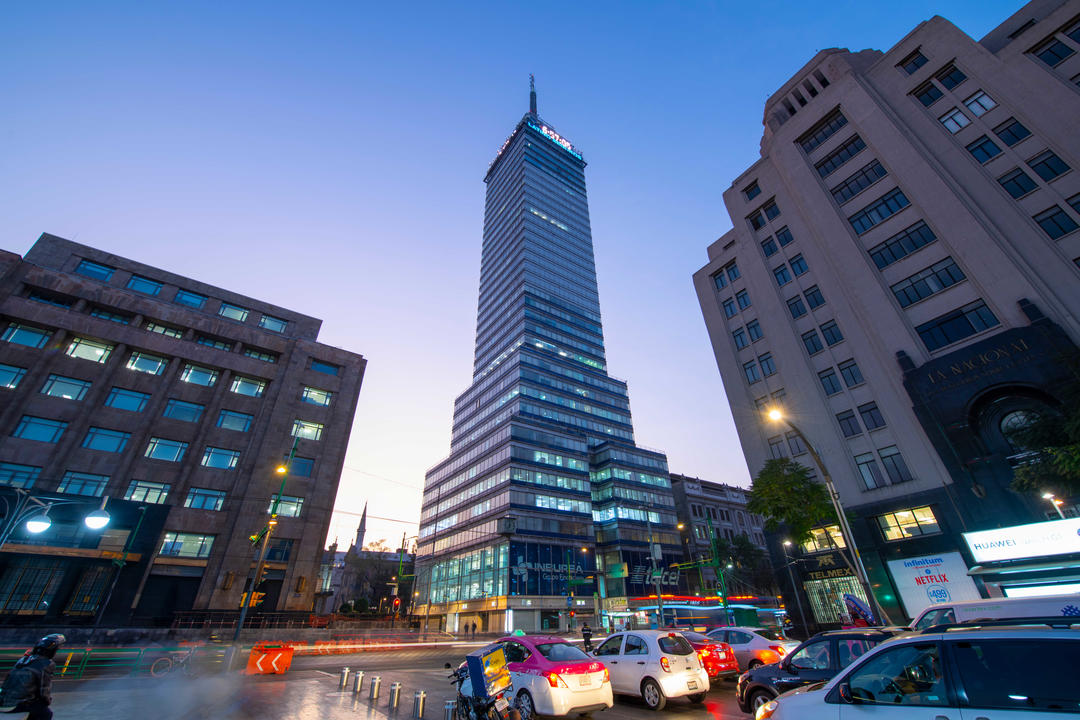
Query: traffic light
x=397 y=603
x=572 y=613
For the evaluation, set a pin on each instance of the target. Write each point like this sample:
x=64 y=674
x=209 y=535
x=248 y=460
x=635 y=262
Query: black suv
x=816 y=660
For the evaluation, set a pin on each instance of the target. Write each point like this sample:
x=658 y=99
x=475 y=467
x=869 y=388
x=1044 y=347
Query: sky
x=329 y=157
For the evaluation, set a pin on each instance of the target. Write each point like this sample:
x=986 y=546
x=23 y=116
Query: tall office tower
x=544 y=495
x=902 y=281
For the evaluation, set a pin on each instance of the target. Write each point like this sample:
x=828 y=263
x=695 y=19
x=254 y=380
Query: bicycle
x=174 y=660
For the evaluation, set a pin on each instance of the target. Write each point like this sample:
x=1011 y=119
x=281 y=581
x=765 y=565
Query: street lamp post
x=1056 y=502
x=845 y=529
x=35 y=512
x=795 y=590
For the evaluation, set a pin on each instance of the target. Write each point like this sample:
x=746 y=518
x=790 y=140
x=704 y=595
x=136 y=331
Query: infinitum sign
x=1055 y=537
x=932 y=579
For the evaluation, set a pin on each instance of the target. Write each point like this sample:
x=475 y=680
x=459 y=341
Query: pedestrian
x=586 y=633
x=28 y=687
x=474 y=631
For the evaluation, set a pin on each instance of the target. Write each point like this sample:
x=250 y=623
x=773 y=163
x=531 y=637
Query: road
x=309 y=691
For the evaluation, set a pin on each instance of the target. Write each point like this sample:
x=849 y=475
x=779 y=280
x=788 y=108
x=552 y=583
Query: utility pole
x=656 y=575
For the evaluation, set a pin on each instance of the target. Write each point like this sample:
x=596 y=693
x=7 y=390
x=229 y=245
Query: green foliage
x=785 y=494
x=1054 y=437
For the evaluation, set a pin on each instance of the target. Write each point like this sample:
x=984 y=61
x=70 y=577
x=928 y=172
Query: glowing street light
x=39 y=523
x=1056 y=502
x=99 y=518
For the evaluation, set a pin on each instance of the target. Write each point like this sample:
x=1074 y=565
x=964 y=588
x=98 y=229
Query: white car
x=997 y=673
x=655 y=664
x=553 y=677
x=754 y=646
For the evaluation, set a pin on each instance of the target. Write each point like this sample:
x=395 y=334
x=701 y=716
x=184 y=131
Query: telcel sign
x=1055 y=537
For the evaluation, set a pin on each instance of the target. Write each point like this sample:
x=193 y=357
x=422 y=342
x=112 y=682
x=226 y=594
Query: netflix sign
x=932 y=580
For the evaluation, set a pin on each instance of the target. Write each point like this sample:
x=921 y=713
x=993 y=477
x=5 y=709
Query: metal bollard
x=395 y=695
x=344 y=682
x=419 y=700
x=358 y=682
x=448 y=709
x=373 y=693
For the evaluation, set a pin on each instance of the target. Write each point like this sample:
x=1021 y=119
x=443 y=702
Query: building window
x=198 y=375
x=812 y=342
x=324 y=367
x=1053 y=52
x=814 y=298
x=214 y=343
x=315 y=396
x=795 y=444
x=784 y=236
x=26 y=335
x=902 y=244
x=829 y=383
x=928 y=94
x=147 y=363
x=768 y=367
x=841 y=155
x=287 y=506
x=796 y=306
x=39 y=429
x=260 y=355
x=871 y=416
x=885 y=207
x=220 y=458
x=743 y=299
x=753 y=329
x=109 y=315
x=10 y=376
x=831 y=332
x=859 y=181
x=904 y=524
x=16 y=475
x=980 y=103
x=739 y=336
x=869 y=471
x=190 y=545
x=752 y=190
x=732 y=271
x=81 y=483
x=768 y=246
x=94 y=270
x=189 y=299
x=751 y=371
x=146 y=286
x=956 y=325
x=64 y=387
x=168 y=450
x=183 y=411
x=851 y=373
x=1055 y=222
x=1047 y=165
x=912 y=62
x=1017 y=183
x=776 y=447
x=1011 y=132
x=822 y=131
x=233 y=312
x=848 y=424
x=232 y=420
x=720 y=280
x=1074 y=201
x=165 y=330
x=798 y=265
x=129 y=400
x=89 y=350
x=49 y=299
x=782 y=275
x=273 y=324
x=894 y=465
x=771 y=211
x=757 y=221
x=301 y=466
x=927 y=282
x=204 y=499
x=983 y=149
x=823 y=539
x=307 y=430
x=954 y=120
x=106 y=440
x=950 y=77
x=251 y=387
x=146 y=491
x=729 y=308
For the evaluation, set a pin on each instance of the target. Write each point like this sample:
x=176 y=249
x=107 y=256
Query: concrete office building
x=146 y=389
x=902 y=281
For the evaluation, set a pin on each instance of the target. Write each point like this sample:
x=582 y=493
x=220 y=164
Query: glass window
x=831 y=332
x=315 y=396
x=824 y=538
x=39 y=429
x=983 y=149
x=1053 y=52
x=183 y=411
x=109 y=315
x=189 y=299
x=928 y=94
x=323 y=367
x=729 y=308
x=782 y=275
x=796 y=306
x=81 y=483
x=307 y=430
x=220 y=458
x=879 y=210
x=954 y=120
x=841 y=155
x=1017 y=183
x=980 y=103
x=143 y=285
x=848 y=424
x=146 y=491
x=204 y=499
x=768 y=246
x=909 y=65
x=814 y=298
x=10 y=376
x=752 y=191
x=94 y=270
x=753 y=329
x=771 y=211
x=16 y=475
x=798 y=265
x=232 y=420
x=1047 y=165
x=950 y=77
x=871 y=416
x=301 y=466
x=784 y=236
x=89 y=350
x=894 y=464
x=198 y=375
x=147 y=363
x=743 y=299
x=106 y=440
x=168 y=450
x=65 y=387
x=252 y=387
x=1011 y=131
x=812 y=342
x=273 y=324
x=850 y=371
x=768 y=367
x=757 y=221
x=165 y=330
x=956 y=325
x=902 y=244
x=822 y=131
x=720 y=280
x=1055 y=222
x=903 y=675
x=260 y=355
x=829 y=382
x=26 y=335
x=233 y=312
x=927 y=282
x=751 y=371
x=610 y=646
x=49 y=299
x=988 y=670
x=176 y=544
x=129 y=400
x=213 y=342
x=732 y=271
x=869 y=471
x=903 y=524
x=812 y=656
x=635 y=646
x=739 y=336
x=795 y=444
x=287 y=505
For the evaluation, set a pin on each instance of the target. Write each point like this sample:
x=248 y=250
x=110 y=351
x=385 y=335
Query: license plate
x=586 y=680
x=501 y=703
x=691 y=685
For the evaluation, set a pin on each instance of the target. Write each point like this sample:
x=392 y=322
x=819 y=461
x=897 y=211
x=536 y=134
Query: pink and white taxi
x=553 y=677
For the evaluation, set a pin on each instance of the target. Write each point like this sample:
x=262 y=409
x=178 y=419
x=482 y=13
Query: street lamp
x=99 y=518
x=845 y=530
x=1056 y=502
x=34 y=512
x=795 y=590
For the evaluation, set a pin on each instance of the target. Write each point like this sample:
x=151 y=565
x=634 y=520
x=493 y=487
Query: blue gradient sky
x=330 y=157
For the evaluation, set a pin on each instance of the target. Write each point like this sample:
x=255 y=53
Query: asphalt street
x=309 y=691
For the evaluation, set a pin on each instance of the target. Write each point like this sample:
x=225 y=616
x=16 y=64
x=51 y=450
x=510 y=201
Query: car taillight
x=778 y=649
x=665 y=664
x=607 y=677
x=555 y=680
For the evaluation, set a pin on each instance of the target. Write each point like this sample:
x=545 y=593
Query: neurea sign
x=1055 y=537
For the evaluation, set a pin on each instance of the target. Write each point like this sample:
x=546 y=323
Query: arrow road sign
x=273 y=663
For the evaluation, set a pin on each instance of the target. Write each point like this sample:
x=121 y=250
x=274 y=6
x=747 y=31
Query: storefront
x=1027 y=560
x=825 y=589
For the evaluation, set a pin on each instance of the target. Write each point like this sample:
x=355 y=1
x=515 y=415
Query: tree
x=785 y=494
x=1053 y=439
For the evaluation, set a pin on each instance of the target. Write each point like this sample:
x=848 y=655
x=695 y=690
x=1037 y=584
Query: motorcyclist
x=28 y=687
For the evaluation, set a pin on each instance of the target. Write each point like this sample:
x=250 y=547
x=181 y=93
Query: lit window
x=904 y=524
x=273 y=324
x=247 y=386
x=25 y=335
x=233 y=312
x=16 y=475
x=129 y=400
x=204 y=499
x=89 y=350
x=147 y=363
x=39 y=429
x=94 y=270
x=190 y=299
x=307 y=430
x=980 y=103
x=823 y=539
x=165 y=330
x=65 y=387
x=146 y=286
x=315 y=396
x=106 y=440
x=183 y=411
x=191 y=545
x=10 y=376
x=231 y=420
x=198 y=375
x=168 y=450
x=287 y=505
x=323 y=367
x=220 y=458
x=954 y=120
x=146 y=491
x=81 y=483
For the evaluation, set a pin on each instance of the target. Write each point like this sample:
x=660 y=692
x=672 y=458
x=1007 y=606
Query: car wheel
x=696 y=698
x=753 y=664
x=525 y=705
x=757 y=699
x=652 y=694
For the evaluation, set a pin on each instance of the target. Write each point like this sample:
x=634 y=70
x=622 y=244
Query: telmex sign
x=1056 y=537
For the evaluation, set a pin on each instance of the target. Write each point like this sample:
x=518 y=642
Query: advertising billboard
x=932 y=579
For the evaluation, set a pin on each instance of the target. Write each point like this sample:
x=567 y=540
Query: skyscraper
x=544 y=494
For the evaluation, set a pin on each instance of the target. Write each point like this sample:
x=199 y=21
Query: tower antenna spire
x=532 y=94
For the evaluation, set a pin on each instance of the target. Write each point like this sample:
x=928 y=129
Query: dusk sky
x=329 y=157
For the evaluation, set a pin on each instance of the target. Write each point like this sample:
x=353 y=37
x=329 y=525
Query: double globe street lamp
x=34 y=512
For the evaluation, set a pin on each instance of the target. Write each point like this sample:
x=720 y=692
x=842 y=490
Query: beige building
x=902 y=279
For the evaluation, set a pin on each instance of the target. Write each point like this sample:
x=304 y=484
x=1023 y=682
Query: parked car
x=716 y=657
x=655 y=664
x=817 y=659
x=553 y=677
x=755 y=646
x=995 y=609
x=998 y=672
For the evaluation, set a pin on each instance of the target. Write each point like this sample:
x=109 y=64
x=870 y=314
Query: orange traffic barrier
x=266 y=659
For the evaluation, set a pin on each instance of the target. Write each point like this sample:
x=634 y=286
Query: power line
x=380 y=477
x=377 y=517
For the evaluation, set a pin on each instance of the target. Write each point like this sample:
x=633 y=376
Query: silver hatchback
x=754 y=646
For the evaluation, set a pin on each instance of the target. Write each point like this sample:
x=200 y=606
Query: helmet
x=48 y=645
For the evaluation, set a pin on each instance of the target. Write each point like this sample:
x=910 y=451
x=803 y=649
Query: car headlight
x=766 y=710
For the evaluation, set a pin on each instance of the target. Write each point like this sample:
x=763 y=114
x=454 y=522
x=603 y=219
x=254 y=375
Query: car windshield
x=770 y=634
x=561 y=652
x=675 y=645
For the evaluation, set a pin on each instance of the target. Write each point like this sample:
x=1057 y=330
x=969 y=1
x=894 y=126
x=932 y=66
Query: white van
x=998 y=609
